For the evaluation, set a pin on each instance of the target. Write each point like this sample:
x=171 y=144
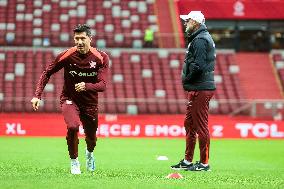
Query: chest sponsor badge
x=93 y=64
x=68 y=102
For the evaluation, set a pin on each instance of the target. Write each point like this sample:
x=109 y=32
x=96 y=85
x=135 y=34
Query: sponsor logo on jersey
x=68 y=102
x=83 y=74
x=93 y=64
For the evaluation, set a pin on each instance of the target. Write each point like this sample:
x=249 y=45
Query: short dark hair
x=83 y=28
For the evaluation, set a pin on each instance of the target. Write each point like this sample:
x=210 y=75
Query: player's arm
x=52 y=68
x=102 y=79
x=200 y=52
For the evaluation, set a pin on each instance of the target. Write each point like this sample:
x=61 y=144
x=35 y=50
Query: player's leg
x=190 y=127
x=90 y=125
x=200 y=117
x=72 y=120
x=203 y=130
x=190 y=137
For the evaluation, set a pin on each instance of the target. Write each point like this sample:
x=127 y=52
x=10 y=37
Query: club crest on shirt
x=93 y=64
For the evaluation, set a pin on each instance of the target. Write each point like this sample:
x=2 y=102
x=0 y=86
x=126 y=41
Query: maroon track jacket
x=91 y=68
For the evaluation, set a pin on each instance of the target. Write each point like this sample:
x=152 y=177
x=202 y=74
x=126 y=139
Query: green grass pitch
x=132 y=163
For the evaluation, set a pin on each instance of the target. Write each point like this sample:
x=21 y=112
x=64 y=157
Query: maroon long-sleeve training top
x=91 y=68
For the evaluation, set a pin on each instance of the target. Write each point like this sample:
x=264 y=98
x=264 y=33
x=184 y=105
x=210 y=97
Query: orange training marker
x=175 y=176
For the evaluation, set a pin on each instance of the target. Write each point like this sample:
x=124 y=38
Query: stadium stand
x=278 y=60
x=140 y=81
x=50 y=23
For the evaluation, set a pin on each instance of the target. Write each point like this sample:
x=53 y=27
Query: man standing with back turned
x=198 y=81
x=85 y=74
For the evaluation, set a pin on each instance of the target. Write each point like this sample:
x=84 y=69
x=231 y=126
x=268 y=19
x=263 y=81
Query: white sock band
x=186 y=162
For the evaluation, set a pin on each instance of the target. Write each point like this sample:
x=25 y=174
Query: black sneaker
x=199 y=167
x=181 y=166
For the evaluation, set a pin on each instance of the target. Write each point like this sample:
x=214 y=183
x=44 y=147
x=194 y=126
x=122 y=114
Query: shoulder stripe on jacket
x=96 y=53
x=67 y=53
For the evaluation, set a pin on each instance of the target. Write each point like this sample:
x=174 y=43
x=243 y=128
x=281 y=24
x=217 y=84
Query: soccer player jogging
x=198 y=81
x=85 y=74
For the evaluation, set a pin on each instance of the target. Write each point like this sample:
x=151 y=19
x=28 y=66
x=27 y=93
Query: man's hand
x=80 y=87
x=35 y=103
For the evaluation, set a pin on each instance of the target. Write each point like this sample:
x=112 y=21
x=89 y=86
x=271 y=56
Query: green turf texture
x=132 y=163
